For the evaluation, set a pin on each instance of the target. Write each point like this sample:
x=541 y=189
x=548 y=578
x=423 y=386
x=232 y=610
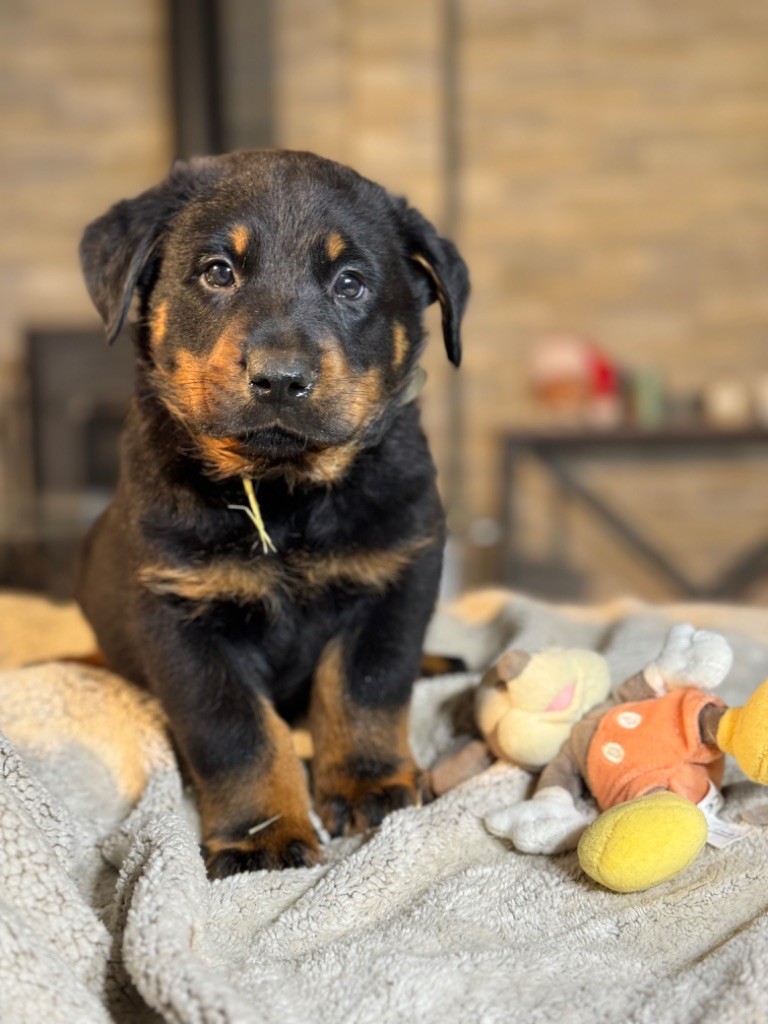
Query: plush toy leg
x=643 y=842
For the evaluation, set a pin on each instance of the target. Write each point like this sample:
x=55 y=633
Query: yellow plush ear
x=743 y=732
x=643 y=842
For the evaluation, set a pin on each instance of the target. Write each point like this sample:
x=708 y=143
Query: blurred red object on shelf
x=576 y=381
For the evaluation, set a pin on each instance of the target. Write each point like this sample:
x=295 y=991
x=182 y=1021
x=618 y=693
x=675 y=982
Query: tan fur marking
x=334 y=245
x=225 y=375
x=159 y=324
x=335 y=374
x=188 y=386
x=220 y=580
x=342 y=729
x=399 y=345
x=198 y=383
x=365 y=397
x=328 y=466
x=224 y=457
x=194 y=389
x=376 y=570
x=355 y=395
x=239 y=236
x=263 y=581
x=274 y=785
x=432 y=274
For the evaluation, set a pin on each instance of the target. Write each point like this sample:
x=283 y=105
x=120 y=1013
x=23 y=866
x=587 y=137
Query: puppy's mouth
x=276 y=442
x=280 y=438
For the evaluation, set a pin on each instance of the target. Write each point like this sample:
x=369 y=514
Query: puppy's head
x=281 y=300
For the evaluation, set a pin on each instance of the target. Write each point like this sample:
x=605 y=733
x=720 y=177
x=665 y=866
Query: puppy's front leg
x=252 y=793
x=363 y=767
x=256 y=814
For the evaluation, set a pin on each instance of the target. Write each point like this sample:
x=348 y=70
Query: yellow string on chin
x=253 y=512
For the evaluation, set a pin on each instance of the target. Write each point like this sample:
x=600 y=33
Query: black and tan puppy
x=275 y=542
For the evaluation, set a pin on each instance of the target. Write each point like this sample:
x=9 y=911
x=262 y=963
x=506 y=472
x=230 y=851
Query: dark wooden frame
x=555 y=452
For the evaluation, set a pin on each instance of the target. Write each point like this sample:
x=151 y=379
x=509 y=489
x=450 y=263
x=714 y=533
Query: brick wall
x=84 y=120
x=614 y=181
x=360 y=83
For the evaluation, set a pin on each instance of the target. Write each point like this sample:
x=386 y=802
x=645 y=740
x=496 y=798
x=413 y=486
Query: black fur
x=219 y=662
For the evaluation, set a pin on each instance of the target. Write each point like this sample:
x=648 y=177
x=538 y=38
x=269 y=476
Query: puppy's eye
x=219 y=274
x=348 y=286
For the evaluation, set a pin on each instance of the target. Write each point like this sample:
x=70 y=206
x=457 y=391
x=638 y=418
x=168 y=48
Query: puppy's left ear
x=116 y=249
x=442 y=269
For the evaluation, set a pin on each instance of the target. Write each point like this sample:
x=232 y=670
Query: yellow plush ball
x=643 y=842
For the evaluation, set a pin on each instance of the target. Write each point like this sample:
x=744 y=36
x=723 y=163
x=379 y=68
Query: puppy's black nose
x=284 y=384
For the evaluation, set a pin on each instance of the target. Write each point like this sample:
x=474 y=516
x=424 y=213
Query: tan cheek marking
x=333 y=368
x=196 y=384
x=399 y=345
x=365 y=396
x=224 y=370
x=239 y=237
x=334 y=245
x=354 y=395
x=159 y=325
x=187 y=386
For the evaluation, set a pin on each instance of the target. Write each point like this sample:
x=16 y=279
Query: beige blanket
x=106 y=914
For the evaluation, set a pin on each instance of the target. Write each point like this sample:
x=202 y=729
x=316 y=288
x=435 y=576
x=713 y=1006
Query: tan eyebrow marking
x=399 y=345
x=335 y=245
x=239 y=237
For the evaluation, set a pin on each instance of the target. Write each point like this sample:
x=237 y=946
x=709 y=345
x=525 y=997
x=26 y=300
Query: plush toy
x=649 y=756
x=527 y=703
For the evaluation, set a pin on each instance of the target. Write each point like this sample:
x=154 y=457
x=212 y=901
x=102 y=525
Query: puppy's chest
x=230 y=563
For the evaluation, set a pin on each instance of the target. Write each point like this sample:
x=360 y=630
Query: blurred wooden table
x=557 y=452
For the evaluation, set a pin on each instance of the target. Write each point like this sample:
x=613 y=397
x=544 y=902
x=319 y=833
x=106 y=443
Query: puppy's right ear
x=117 y=247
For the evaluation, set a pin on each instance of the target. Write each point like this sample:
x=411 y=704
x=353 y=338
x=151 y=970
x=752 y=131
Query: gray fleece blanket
x=106 y=913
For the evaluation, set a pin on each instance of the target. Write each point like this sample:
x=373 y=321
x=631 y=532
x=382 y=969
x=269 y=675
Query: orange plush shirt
x=653 y=744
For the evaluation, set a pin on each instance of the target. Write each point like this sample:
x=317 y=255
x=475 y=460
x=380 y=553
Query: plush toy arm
x=690 y=657
x=549 y=823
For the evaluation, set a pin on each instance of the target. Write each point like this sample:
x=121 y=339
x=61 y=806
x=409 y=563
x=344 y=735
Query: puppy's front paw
x=281 y=844
x=354 y=805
